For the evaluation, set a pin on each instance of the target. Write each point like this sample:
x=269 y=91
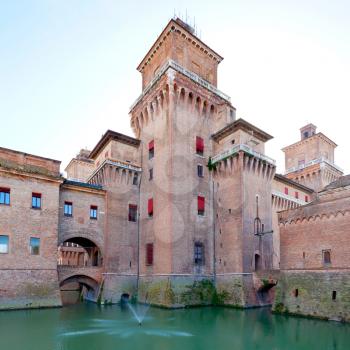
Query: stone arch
x=79 y=251
x=77 y=287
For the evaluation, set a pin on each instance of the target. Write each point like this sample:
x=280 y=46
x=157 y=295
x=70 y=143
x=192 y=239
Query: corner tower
x=178 y=110
x=310 y=161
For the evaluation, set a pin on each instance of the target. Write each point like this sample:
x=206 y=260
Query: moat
x=88 y=326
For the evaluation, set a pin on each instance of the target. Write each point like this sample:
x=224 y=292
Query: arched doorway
x=79 y=252
x=78 y=288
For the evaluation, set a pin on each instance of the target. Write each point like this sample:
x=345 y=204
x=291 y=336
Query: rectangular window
x=150 y=207
x=4 y=196
x=150 y=174
x=68 y=209
x=201 y=205
x=306 y=199
x=93 y=212
x=151 y=149
x=149 y=254
x=199 y=145
x=135 y=179
x=34 y=246
x=132 y=212
x=296 y=195
x=286 y=190
x=4 y=244
x=36 y=200
x=200 y=170
x=198 y=253
x=326 y=255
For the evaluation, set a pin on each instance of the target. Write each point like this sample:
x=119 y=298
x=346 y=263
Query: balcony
x=322 y=161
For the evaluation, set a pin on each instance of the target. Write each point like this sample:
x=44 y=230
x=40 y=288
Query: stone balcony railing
x=242 y=147
x=321 y=161
x=288 y=197
x=196 y=78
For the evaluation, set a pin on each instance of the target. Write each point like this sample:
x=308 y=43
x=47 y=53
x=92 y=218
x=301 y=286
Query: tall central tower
x=179 y=109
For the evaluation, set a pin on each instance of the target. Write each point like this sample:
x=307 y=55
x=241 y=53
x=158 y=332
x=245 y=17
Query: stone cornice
x=18 y=173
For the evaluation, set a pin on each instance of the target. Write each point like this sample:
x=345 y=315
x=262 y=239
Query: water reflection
x=90 y=327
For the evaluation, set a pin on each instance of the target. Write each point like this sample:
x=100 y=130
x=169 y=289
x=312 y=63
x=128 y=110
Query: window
x=198 y=253
x=334 y=295
x=150 y=207
x=200 y=170
x=296 y=292
x=201 y=205
x=4 y=244
x=93 y=212
x=286 y=190
x=149 y=254
x=135 y=179
x=4 y=196
x=306 y=134
x=199 y=146
x=132 y=212
x=150 y=174
x=306 y=199
x=34 y=246
x=36 y=200
x=326 y=257
x=296 y=195
x=68 y=209
x=233 y=142
x=151 y=149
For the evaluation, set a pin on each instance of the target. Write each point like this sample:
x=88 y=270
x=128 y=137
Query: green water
x=89 y=327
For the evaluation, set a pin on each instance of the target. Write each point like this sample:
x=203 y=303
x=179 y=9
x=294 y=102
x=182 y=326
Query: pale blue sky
x=68 y=68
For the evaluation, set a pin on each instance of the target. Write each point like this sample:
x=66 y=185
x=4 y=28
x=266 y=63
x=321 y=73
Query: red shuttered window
x=150 y=207
x=296 y=195
x=151 y=149
x=306 y=199
x=286 y=190
x=149 y=254
x=199 y=145
x=201 y=205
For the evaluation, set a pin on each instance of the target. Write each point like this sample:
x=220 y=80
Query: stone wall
x=310 y=293
x=27 y=288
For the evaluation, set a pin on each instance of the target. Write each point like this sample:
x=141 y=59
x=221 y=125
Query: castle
x=192 y=197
